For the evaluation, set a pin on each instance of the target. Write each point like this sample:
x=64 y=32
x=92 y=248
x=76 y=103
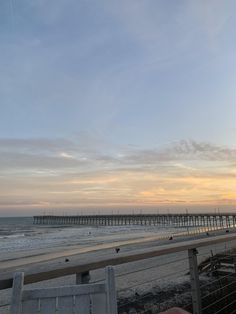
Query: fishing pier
x=214 y=221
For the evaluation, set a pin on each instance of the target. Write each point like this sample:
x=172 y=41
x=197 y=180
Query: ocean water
x=20 y=234
x=15 y=226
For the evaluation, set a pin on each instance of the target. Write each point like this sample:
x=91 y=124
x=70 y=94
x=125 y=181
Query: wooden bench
x=97 y=298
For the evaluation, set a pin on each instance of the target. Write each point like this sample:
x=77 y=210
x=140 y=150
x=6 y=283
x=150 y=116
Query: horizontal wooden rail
x=6 y=281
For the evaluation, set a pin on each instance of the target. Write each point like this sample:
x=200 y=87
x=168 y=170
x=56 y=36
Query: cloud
x=62 y=173
x=187 y=155
x=33 y=161
x=66 y=155
x=185 y=150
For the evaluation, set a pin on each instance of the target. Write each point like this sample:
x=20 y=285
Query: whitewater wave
x=10 y=236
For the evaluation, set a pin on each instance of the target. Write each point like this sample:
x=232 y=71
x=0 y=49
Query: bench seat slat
x=82 y=304
x=63 y=291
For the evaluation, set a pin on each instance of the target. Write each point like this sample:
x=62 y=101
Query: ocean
x=15 y=226
x=18 y=234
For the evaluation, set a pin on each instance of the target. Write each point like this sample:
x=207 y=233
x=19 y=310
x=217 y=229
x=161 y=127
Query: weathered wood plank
x=48 y=305
x=31 y=306
x=111 y=291
x=82 y=304
x=99 y=304
x=65 y=305
x=63 y=291
x=77 y=299
x=17 y=293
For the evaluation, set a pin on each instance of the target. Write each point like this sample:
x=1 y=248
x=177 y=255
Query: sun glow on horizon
x=132 y=180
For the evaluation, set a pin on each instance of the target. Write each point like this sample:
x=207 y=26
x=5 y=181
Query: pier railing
x=209 y=220
x=150 y=278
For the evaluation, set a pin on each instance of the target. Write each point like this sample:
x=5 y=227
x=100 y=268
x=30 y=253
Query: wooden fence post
x=111 y=290
x=17 y=288
x=194 y=279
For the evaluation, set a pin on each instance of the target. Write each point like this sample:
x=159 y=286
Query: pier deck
x=226 y=220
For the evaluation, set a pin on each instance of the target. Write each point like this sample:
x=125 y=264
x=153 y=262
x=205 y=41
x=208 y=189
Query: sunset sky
x=117 y=105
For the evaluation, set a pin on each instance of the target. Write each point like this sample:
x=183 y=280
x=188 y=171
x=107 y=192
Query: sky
x=117 y=105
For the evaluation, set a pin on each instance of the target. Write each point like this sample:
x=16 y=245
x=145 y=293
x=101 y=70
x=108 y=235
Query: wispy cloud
x=78 y=152
x=74 y=173
x=186 y=150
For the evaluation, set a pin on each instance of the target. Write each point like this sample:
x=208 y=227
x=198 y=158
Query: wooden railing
x=141 y=254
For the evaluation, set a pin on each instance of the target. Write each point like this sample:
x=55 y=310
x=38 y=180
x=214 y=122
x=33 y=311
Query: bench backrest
x=98 y=298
